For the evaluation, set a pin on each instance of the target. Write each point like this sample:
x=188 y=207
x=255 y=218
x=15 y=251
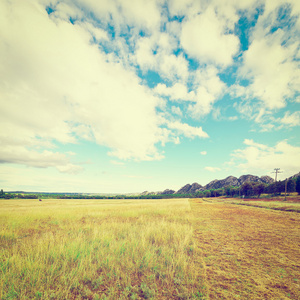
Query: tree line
x=246 y=190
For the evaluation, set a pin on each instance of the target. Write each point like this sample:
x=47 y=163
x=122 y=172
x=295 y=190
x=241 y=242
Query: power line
x=276 y=172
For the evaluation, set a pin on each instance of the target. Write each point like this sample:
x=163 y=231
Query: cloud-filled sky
x=126 y=96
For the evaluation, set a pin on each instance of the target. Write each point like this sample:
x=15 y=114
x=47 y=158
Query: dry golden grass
x=249 y=253
x=147 y=249
x=98 y=249
x=292 y=203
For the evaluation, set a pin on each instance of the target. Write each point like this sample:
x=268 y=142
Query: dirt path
x=248 y=252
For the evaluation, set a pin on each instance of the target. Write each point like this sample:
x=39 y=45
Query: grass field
x=248 y=252
x=291 y=204
x=101 y=249
x=147 y=249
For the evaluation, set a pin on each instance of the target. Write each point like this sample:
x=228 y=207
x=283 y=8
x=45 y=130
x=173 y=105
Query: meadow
x=98 y=249
x=147 y=249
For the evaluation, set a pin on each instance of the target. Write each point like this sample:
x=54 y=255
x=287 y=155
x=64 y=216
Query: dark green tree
x=228 y=191
x=207 y=193
x=298 y=185
x=258 y=189
x=247 y=189
x=291 y=186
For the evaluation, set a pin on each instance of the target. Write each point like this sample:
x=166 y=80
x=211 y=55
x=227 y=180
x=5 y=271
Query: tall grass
x=98 y=249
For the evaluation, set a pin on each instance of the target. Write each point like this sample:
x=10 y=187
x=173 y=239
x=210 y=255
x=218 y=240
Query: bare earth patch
x=248 y=252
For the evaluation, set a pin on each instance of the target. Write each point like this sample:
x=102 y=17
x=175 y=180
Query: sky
x=125 y=96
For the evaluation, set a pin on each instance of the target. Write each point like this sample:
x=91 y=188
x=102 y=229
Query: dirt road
x=248 y=252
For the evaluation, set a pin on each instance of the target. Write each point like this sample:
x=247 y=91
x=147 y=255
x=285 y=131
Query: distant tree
x=258 y=189
x=207 y=193
x=247 y=189
x=228 y=191
x=279 y=187
x=1 y=194
x=291 y=186
x=235 y=191
x=298 y=185
x=270 y=188
x=200 y=194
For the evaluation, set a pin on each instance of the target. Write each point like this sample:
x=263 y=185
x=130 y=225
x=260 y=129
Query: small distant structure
x=276 y=172
x=40 y=199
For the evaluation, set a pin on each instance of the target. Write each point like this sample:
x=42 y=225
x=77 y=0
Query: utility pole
x=285 y=189
x=276 y=172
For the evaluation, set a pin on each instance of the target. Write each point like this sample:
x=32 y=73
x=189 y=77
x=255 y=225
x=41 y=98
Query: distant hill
x=190 y=189
x=294 y=176
x=234 y=181
x=217 y=184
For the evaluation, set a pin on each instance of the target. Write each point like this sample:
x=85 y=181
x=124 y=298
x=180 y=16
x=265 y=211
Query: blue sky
x=119 y=96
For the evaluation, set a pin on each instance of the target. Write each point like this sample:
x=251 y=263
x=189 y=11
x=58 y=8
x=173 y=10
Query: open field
x=98 y=249
x=147 y=249
x=277 y=203
x=248 y=252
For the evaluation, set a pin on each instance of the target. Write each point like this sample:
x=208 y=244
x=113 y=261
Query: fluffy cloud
x=207 y=88
x=260 y=158
x=212 y=169
x=176 y=110
x=270 y=63
x=55 y=84
x=31 y=158
x=155 y=53
x=291 y=119
x=209 y=46
x=138 y=13
x=178 y=91
x=274 y=74
x=187 y=130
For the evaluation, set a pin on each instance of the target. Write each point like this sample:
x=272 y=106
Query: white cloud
x=291 y=119
x=18 y=154
x=155 y=53
x=204 y=103
x=65 y=11
x=139 y=13
x=204 y=37
x=209 y=79
x=187 y=130
x=274 y=74
x=253 y=144
x=212 y=169
x=180 y=8
x=98 y=33
x=270 y=62
x=206 y=90
x=54 y=83
x=178 y=91
x=203 y=152
x=176 y=110
x=258 y=158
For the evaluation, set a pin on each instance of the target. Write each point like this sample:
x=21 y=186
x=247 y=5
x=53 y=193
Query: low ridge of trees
x=247 y=190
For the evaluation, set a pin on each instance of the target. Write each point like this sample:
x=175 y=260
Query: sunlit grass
x=98 y=249
x=248 y=252
x=277 y=205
